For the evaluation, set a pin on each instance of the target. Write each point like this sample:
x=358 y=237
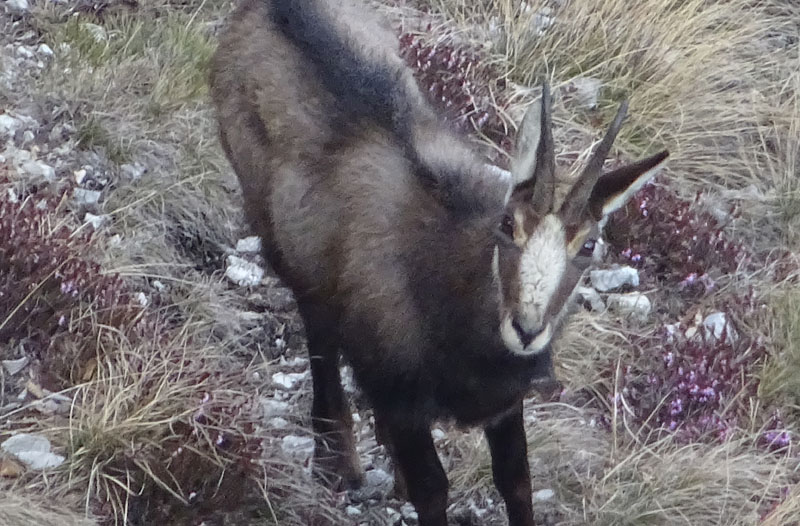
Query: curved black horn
x=544 y=186
x=578 y=196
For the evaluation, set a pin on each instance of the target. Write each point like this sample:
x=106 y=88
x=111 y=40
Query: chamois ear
x=527 y=146
x=615 y=188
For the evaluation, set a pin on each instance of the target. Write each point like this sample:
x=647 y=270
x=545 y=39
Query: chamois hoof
x=338 y=473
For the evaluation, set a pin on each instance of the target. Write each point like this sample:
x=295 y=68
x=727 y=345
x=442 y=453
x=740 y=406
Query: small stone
x=32 y=450
x=438 y=434
x=18 y=7
x=9 y=124
x=28 y=136
x=377 y=484
x=274 y=407
x=39 y=169
x=634 y=304
x=278 y=423
x=24 y=52
x=589 y=297
x=79 y=175
x=10 y=468
x=544 y=495
x=243 y=272
x=86 y=197
x=288 y=380
x=12 y=194
x=610 y=279
x=141 y=297
x=717 y=324
x=408 y=512
x=297 y=446
x=132 y=171
x=249 y=245
x=584 y=91
x=15 y=366
x=160 y=287
x=45 y=50
x=352 y=511
x=95 y=220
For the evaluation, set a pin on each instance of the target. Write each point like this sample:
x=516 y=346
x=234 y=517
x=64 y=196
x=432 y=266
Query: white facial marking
x=541 y=268
x=514 y=344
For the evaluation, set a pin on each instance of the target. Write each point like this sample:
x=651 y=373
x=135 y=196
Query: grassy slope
x=717 y=82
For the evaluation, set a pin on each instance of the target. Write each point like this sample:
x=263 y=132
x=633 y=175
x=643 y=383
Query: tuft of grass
x=780 y=379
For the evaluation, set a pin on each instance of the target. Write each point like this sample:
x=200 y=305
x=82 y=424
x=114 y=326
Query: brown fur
x=384 y=224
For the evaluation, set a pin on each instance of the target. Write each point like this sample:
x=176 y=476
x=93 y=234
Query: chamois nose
x=524 y=336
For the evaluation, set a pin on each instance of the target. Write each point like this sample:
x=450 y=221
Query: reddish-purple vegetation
x=673 y=243
x=47 y=280
x=460 y=82
x=686 y=379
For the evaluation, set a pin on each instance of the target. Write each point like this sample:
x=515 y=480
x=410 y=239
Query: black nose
x=525 y=337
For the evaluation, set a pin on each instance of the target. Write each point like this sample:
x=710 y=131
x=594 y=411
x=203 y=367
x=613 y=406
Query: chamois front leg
x=509 y=448
x=335 y=457
x=414 y=456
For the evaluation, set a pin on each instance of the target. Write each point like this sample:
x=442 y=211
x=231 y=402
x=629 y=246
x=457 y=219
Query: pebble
x=86 y=197
x=243 y=272
x=289 y=380
x=15 y=366
x=297 y=446
x=544 y=495
x=249 y=245
x=610 y=279
x=717 y=324
x=18 y=7
x=9 y=124
x=32 y=450
x=634 y=304
x=39 y=169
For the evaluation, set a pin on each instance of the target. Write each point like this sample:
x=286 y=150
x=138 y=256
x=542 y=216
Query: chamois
x=441 y=283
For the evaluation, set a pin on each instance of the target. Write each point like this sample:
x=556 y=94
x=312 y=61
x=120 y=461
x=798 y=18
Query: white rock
x=590 y=296
x=543 y=495
x=272 y=407
x=39 y=169
x=18 y=7
x=717 y=324
x=159 y=286
x=352 y=511
x=348 y=381
x=141 y=297
x=79 y=175
x=24 y=52
x=12 y=194
x=243 y=272
x=32 y=450
x=95 y=220
x=610 y=279
x=278 y=423
x=15 y=366
x=297 y=446
x=132 y=171
x=249 y=245
x=377 y=483
x=634 y=304
x=408 y=511
x=9 y=124
x=585 y=90
x=45 y=50
x=438 y=434
x=289 y=380
x=28 y=136
x=86 y=197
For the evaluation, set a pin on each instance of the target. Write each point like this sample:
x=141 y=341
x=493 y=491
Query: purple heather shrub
x=460 y=82
x=673 y=243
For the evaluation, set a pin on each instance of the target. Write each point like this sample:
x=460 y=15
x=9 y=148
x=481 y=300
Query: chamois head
x=542 y=251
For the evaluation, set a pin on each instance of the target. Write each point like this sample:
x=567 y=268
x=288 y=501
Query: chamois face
x=542 y=252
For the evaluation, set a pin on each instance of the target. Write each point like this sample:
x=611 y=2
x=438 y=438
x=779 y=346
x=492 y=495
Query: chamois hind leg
x=382 y=436
x=509 y=448
x=335 y=457
x=415 y=457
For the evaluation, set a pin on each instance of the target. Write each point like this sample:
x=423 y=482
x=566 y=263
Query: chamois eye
x=507 y=226
x=588 y=248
